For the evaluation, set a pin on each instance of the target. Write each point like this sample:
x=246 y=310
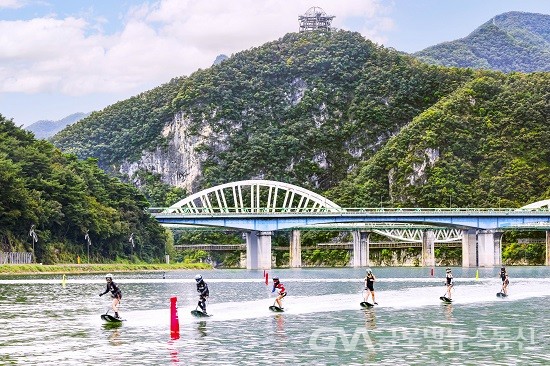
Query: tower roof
x=315 y=18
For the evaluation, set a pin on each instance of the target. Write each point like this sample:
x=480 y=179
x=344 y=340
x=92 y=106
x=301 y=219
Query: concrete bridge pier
x=295 y=249
x=258 y=250
x=489 y=248
x=428 y=248
x=360 y=248
x=497 y=239
x=469 y=248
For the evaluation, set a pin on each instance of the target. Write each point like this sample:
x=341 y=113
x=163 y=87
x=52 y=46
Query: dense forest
x=485 y=145
x=122 y=130
x=335 y=113
x=513 y=41
x=305 y=109
x=341 y=116
x=65 y=200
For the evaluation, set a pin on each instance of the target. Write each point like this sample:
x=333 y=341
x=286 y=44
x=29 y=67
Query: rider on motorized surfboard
x=281 y=291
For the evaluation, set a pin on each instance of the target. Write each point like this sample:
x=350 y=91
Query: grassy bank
x=96 y=268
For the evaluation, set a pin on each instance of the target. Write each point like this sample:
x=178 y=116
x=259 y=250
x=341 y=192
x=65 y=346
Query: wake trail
x=390 y=300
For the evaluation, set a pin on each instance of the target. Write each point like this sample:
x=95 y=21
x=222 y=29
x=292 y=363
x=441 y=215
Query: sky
x=59 y=57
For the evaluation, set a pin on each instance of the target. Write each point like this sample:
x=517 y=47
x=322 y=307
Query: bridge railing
x=209 y=247
x=337 y=245
x=348 y=210
x=15 y=257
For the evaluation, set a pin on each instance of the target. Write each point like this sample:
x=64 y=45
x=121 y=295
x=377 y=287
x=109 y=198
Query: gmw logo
x=324 y=339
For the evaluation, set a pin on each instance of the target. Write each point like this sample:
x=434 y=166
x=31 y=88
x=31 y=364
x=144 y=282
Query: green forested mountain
x=65 y=198
x=339 y=115
x=513 y=41
x=122 y=130
x=487 y=145
x=304 y=109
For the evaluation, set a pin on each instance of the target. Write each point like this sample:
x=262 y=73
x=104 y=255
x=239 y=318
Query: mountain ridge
x=310 y=109
x=44 y=129
x=512 y=41
x=303 y=109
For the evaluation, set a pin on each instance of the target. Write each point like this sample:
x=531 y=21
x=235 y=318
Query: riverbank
x=7 y=269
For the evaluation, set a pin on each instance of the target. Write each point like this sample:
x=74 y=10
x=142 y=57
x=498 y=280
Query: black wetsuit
x=449 y=278
x=202 y=289
x=505 y=281
x=370 y=282
x=503 y=276
x=115 y=291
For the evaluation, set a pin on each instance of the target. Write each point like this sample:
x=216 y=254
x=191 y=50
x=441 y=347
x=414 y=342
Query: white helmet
x=110 y=276
x=198 y=278
x=369 y=271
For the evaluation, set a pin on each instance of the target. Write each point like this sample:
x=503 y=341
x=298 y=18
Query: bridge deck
x=347 y=246
x=359 y=218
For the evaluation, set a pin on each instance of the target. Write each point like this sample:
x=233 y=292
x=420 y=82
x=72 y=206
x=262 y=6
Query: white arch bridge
x=260 y=207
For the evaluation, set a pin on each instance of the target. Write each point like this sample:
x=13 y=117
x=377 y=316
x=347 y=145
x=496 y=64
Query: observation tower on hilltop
x=315 y=19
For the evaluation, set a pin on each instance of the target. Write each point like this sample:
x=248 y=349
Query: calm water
x=42 y=323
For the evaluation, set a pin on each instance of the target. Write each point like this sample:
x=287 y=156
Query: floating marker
x=477 y=274
x=266 y=278
x=174 y=320
x=432 y=272
x=63 y=281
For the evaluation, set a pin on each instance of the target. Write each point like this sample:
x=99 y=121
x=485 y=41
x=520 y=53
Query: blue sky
x=61 y=57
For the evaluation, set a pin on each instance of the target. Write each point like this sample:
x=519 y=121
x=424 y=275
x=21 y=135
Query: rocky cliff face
x=178 y=162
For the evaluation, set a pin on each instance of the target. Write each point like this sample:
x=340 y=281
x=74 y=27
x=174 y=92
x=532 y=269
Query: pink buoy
x=174 y=320
x=266 y=278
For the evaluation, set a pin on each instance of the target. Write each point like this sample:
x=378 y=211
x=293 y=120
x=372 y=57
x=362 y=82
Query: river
x=43 y=322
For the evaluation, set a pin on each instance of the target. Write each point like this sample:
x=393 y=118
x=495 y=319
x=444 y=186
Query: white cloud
x=169 y=38
x=11 y=4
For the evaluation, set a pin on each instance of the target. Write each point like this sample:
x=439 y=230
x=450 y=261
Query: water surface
x=44 y=323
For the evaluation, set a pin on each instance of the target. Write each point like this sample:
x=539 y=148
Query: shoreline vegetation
x=37 y=268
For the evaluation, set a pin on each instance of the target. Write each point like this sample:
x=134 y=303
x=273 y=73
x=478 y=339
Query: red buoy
x=266 y=278
x=174 y=320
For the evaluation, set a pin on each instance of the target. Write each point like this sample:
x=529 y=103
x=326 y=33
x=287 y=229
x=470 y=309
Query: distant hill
x=219 y=59
x=513 y=41
x=44 y=129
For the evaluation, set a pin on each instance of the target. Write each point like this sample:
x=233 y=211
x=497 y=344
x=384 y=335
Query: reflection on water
x=114 y=338
x=201 y=327
x=410 y=326
x=280 y=334
x=370 y=318
x=448 y=308
x=174 y=353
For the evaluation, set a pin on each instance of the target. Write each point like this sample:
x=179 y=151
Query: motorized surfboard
x=111 y=319
x=366 y=304
x=199 y=314
x=276 y=309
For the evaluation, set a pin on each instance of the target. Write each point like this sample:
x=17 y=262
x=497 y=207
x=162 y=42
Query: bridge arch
x=447 y=235
x=254 y=196
x=264 y=196
x=538 y=205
